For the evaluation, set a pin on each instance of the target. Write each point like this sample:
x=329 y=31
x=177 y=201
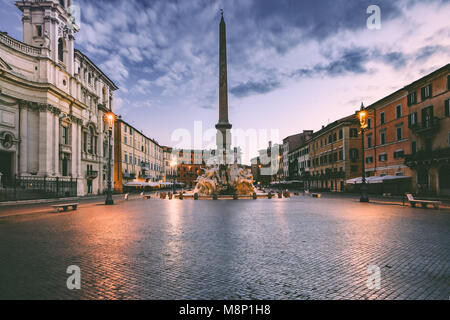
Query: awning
x=141 y=184
x=376 y=179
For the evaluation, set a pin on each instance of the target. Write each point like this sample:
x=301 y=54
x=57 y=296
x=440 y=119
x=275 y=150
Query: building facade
x=267 y=166
x=429 y=121
x=170 y=167
x=138 y=158
x=190 y=164
x=300 y=164
x=53 y=101
x=335 y=154
x=289 y=144
x=387 y=138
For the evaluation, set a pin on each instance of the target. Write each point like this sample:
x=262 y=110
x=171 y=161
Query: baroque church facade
x=53 y=102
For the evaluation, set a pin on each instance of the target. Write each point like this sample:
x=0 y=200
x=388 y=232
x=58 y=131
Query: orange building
x=387 y=137
x=190 y=166
x=429 y=120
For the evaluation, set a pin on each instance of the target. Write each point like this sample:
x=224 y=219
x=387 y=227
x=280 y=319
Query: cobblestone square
x=298 y=248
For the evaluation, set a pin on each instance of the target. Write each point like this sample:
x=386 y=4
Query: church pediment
x=4 y=65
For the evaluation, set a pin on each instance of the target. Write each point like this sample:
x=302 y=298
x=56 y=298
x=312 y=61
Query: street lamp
x=173 y=163
x=363 y=122
x=110 y=118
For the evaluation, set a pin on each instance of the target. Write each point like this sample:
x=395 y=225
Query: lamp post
x=110 y=118
x=363 y=122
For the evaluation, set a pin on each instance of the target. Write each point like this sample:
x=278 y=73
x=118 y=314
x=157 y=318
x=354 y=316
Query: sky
x=293 y=65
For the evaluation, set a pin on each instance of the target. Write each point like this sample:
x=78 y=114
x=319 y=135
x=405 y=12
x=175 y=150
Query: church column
x=56 y=134
x=79 y=170
x=45 y=140
x=70 y=55
x=75 y=151
x=23 y=139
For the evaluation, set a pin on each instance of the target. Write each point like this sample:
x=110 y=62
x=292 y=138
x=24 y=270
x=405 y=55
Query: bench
x=424 y=203
x=65 y=206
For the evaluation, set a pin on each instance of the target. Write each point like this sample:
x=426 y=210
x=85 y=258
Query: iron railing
x=30 y=188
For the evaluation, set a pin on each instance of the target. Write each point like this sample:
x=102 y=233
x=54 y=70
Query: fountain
x=225 y=176
x=232 y=180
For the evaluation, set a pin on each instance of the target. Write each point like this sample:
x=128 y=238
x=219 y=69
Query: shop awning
x=376 y=179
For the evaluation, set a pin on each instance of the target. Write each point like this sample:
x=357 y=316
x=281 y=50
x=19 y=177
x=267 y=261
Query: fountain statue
x=235 y=180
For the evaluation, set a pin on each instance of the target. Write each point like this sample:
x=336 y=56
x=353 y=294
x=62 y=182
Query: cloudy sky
x=292 y=65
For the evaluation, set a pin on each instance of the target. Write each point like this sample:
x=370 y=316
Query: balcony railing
x=91 y=175
x=20 y=46
x=423 y=155
x=426 y=126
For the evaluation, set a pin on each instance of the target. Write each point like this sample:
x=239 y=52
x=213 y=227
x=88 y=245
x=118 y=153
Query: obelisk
x=223 y=127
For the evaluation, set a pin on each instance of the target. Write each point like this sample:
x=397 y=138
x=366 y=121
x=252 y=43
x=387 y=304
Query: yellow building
x=136 y=157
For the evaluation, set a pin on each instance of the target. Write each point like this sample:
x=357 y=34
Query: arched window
x=61 y=50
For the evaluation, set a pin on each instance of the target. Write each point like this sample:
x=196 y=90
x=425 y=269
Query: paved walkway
x=298 y=248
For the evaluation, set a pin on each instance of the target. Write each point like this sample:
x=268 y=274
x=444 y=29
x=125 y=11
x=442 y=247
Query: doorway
x=6 y=167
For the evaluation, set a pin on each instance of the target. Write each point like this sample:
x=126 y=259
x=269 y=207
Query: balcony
x=130 y=176
x=91 y=175
x=426 y=127
x=427 y=157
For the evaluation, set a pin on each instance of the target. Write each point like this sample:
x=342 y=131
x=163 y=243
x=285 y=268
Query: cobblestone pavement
x=298 y=248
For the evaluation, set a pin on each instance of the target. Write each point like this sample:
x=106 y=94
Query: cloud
x=251 y=87
x=115 y=69
x=426 y=52
x=142 y=86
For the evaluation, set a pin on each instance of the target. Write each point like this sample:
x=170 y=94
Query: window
x=61 y=50
x=427 y=116
x=85 y=141
x=398 y=111
x=65 y=135
x=353 y=133
x=428 y=145
x=126 y=158
x=448 y=82
x=341 y=134
x=125 y=140
x=383 y=137
x=353 y=154
x=39 y=31
x=369 y=141
x=354 y=168
x=341 y=154
x=382 y=118
x=399 y=154
x=93 y=141
x=369 y=123
x=426 y=92
x=447 y=108
x=413 y=147
x=399 y=133
x=412 y=98
x=369 y=159
x=412 y=119
x=383 y=157
x=61 y=2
